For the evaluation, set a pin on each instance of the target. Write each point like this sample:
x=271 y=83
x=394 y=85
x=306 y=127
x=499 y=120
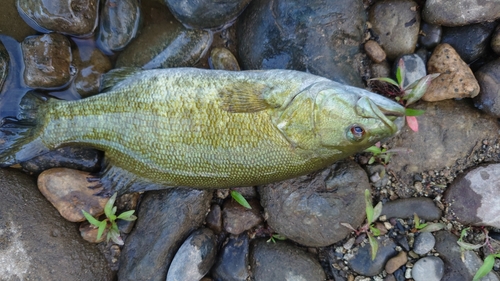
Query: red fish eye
x=357 y=132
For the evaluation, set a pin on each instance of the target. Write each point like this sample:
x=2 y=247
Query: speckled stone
x=424 y=242
x=451 y=13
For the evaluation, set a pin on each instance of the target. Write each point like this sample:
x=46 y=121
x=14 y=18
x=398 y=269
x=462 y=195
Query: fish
x=199 y=128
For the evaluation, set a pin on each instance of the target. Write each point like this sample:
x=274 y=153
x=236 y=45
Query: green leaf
x=115 y=237
x=240 y=199
x=377 y=210
x=463 y=233
x=386 y=79
x=375 y=231
x=108 y=208
x=93 y=221
x=102 y=227
x=468 y=246
x=373 y=149
x=417 y=90
x=400 y=72
x=372 y=159
x=348 y=225
x=279 y=236
x=487 y=266
x=127 y=216
x=113 y=211
x=413 y=112
x=373 y=245
x=416 y=219
x=369 y=206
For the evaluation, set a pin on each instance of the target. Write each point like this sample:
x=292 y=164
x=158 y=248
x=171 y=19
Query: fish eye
x=356 y=132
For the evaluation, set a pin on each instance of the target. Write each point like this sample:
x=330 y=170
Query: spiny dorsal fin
x=114 y=76
x=245 y=97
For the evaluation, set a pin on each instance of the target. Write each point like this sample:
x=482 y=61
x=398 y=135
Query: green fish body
x=206 y=128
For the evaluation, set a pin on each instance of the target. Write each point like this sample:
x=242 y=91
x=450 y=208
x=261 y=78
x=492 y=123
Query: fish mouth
x=382 y=108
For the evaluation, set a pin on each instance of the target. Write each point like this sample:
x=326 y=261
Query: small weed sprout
x=425 y=227
x=240 y=199
x=382 y=154
x=275 y=237
x=110 y=221
x=372 y=214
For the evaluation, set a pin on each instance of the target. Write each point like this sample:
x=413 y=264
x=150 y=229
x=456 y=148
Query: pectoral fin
x=245 y=97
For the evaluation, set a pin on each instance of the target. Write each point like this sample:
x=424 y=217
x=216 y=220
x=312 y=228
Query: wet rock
x=47 y=60
x=91 y=65
x=68 y=190
x=11 y=23
x=165 y=219
x=237 y=219
x=84 y=159
x=362 y=262
x=473 y=197
x=453 y=13
x=232 y=264
x=165 y=43
x=428 y=269
x=4 y=65
x=396 y=23
x=405 y=208
x=456 y=79
x=488 y=77
x=312 y=36
x=222 y=58
x=415 y=68
x=119 y=24
x=202 y=14
x=396 y=262
x=36 y=243
x=195 y=257
x=374 y=51
x=214 y=219
x=308 y=209
x=76 y=17
x=424 y=243
x=430 y=35
x=454 y=267
x=471 y=42
x=281 y=260
x=495 y=40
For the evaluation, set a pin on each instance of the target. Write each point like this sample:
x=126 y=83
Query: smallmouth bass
x=204 y=128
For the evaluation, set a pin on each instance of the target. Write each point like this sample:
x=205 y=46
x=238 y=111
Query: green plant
x=426 y=227
x=409 y=94
x=275 y=237
x=240 y=199
x=372 y=214
x=487 y=266
x=489 y=261
x=382 y=154
x=110 y=221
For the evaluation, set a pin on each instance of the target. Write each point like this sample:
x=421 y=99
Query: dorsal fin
x=114 y=76
x=244 y=96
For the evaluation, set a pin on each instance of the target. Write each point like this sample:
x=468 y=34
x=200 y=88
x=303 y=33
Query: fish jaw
x=385 y=110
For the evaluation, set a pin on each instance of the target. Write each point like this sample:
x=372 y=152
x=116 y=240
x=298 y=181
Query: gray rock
x=4 y=65
x=415 y=68
x=232 y=264
x=396 y=23
x=195 y=257
x=362 y=262
x=313 y=36
x=47 y=60
x=75 y=18
x=222 y=58
x=471 y=42
x=458 y=13
x=165 y=219
x=308 y=209
x=474 y=198
x=495 y=40
x=405 y=208
x=163 y=43
x=424 y=243
x=448 y=131
x=488 y=77
x=430 y=35
x=119 y=25
x=202 y=14
x=84 y=159
x=428 y=269
x=455 y=268
x=282 y=261
x=36 y=242
x=214 y=219
x=237 y=219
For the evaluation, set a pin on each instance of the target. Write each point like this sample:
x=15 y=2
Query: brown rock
x=68 y=190
x=91 y=64
x=396 y=262
x=456 y=79
x=47 y=60
x=89 y=233
x=374 y=51
x=214 y=219
x=237 y=219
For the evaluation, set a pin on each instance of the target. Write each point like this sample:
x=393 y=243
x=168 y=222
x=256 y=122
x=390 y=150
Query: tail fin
x=20 y=137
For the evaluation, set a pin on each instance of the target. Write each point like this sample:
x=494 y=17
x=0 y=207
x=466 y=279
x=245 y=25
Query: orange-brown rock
x=375 y=51
x=456 y=79
x=68 y=190
x=396 y=262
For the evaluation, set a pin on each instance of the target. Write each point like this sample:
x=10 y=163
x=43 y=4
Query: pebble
x=428 y=269
x=237 y=219
x=75 y=18
x=233 y=263
x=424 y=243
x=165 y=219
x=473 y=197
x=68 y=190
x=337 y=194
x=451 y=13
x=374 y=51
x=47 y=60
x=430 y=35
x=456 y=79
x=78 y=158
x=195 y=257
x=222 y=58
x=488 y=77
x=214 y=219
x=396 y=262
x=362 y=262
x=495 y=40
x=396 y=24
x=471 y=42
x=405 y=208
x=206 y=14
x=283 y=261
x=414 y=67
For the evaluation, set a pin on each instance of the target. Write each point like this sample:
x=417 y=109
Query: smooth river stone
x=460 y=12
